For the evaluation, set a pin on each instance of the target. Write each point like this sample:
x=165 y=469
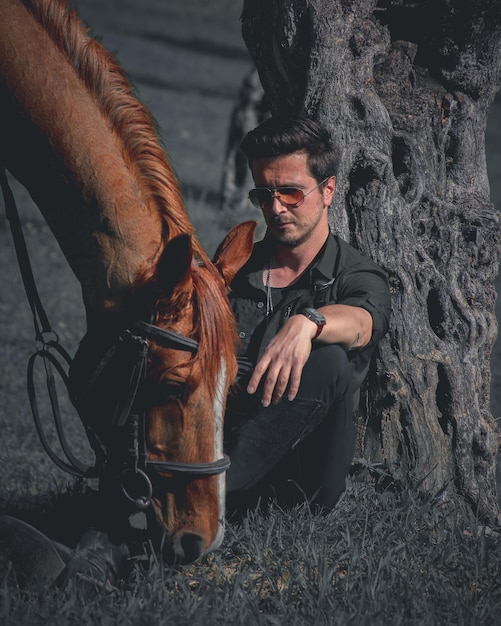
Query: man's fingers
x=282 y=364
x=274 y=384
x=257 y=374
x=280 y=386
x=295 y=380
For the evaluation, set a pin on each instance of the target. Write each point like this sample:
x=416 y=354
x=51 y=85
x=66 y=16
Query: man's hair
x=279 y=137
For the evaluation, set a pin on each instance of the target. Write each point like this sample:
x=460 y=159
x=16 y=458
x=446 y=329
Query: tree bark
x=405 y=88
x=249 y=111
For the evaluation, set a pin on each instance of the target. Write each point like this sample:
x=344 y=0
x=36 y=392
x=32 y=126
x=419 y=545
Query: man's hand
x=283 y=360
x=287 y=353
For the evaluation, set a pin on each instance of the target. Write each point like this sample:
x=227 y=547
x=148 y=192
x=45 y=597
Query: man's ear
x=174 y=264
x=235 y=249
x=328 y=190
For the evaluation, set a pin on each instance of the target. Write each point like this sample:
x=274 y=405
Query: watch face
x=314 y=316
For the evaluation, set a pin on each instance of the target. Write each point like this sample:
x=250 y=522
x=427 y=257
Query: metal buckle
x=133 y=492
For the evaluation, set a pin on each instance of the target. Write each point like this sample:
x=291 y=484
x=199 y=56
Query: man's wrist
x=316 y=317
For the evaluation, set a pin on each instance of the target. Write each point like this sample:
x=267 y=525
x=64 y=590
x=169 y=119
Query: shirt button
x=241 y=334
x=260 y=305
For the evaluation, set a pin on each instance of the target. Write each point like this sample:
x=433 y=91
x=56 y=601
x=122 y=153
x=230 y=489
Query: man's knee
x=327 y=375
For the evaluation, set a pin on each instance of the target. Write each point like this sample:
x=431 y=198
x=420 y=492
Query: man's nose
x=276 y=206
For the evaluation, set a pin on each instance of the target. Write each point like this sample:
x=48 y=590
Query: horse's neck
x=55 y=141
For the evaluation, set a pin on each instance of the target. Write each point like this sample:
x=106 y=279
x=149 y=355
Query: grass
x=389 y=556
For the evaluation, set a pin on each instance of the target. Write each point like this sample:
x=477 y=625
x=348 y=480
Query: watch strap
x=316 y=317
x=320 y=328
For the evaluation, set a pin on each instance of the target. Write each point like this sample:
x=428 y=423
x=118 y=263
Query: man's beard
x=290 y=243
x=286 y=240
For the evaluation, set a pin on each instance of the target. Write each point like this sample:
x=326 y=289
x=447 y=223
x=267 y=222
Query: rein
x=54 y=357
x=56 y=360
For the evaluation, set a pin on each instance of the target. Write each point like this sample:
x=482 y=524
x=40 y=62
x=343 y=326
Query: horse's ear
x=174 y=265
x=235 y=249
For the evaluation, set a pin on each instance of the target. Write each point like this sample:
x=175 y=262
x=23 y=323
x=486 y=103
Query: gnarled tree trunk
x=405 y=88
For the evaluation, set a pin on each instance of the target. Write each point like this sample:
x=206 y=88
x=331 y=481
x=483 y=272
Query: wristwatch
x=315 y=316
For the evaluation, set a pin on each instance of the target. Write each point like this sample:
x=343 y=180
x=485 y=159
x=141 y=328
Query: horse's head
x=154 y=406
x=185 y=392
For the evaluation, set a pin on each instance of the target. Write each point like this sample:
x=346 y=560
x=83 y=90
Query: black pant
x=295 y=450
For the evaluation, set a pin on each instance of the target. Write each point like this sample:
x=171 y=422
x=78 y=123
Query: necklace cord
x=269 y=299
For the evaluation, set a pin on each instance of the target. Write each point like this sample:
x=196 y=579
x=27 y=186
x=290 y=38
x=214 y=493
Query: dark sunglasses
x=289 y=197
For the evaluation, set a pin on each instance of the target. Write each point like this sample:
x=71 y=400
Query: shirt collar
x=258 y=261
x=321 y=272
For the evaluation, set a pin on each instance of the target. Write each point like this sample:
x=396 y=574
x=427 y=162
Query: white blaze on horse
x=153 y=371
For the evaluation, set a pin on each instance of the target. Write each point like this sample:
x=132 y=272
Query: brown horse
x=72 y=132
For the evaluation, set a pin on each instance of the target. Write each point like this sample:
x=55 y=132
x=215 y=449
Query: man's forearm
x=349 y=326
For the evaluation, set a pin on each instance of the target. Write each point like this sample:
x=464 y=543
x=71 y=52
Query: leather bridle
x=132 y=418
x=137 y=466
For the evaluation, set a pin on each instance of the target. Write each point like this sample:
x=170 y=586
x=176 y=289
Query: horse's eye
x=172 y=390
x=161 y=392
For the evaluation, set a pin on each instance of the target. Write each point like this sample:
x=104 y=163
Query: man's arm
x=349 y=326
x=283 y=360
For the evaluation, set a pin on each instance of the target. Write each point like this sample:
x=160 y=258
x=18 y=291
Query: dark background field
x=187 y=59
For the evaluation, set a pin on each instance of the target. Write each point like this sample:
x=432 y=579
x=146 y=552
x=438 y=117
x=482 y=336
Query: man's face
x=293 y=226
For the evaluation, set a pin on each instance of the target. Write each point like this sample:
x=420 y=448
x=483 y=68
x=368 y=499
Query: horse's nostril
x=191 y=546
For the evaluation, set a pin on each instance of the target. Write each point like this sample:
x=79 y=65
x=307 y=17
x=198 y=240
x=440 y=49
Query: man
x=310 y=309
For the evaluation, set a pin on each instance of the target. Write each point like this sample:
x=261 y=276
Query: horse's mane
x=128 y=117
x=214 y=324
x=131 y=121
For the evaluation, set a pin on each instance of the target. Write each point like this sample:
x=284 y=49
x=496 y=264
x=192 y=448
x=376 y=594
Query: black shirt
x=339 y=275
